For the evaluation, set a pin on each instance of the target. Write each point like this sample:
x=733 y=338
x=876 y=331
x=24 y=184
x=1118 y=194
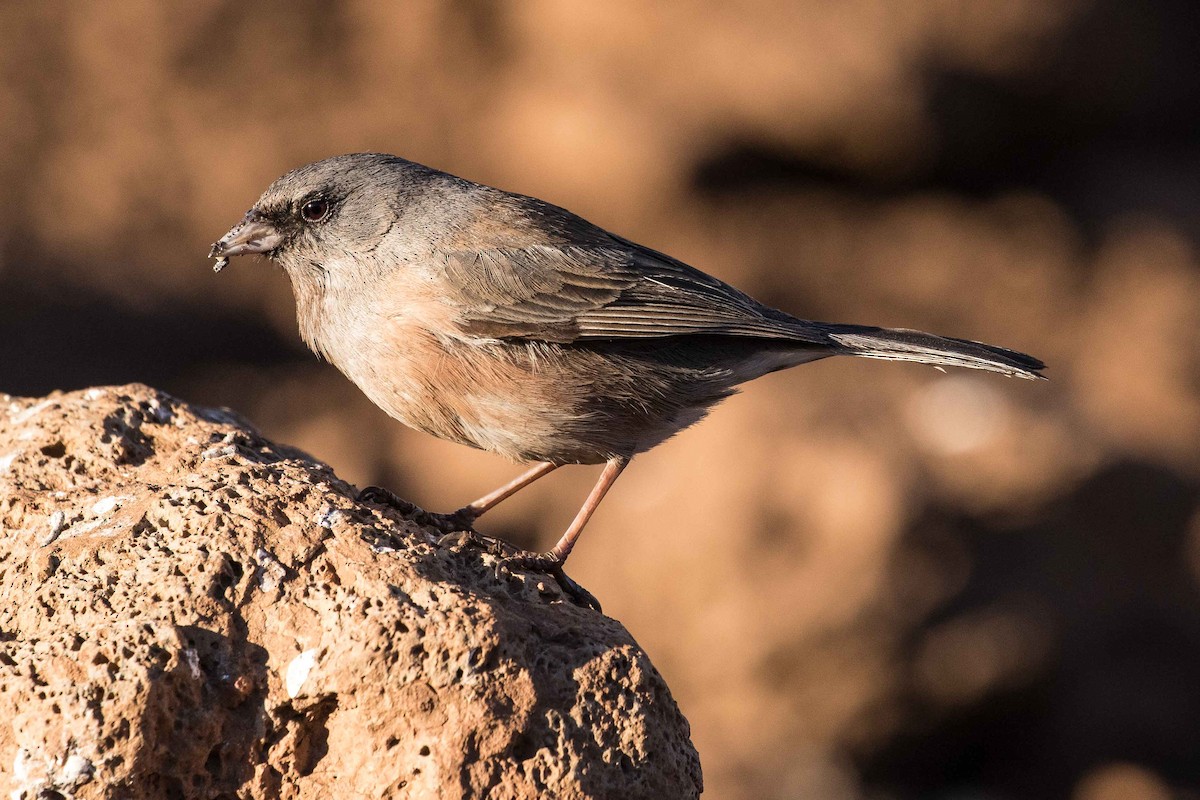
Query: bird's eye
x=315 y=210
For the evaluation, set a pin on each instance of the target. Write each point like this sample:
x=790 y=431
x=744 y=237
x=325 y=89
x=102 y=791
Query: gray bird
x=509 y=324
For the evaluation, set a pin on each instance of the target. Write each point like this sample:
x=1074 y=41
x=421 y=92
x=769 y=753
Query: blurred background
x=861 y=580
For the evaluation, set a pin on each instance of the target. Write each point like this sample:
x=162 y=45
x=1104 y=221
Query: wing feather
x=574 y=294
x=570 y=293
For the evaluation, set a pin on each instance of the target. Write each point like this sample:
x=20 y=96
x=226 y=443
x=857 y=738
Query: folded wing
x=623 y=291
x=567 y=294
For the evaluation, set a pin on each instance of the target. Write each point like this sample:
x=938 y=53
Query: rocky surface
x=191 y=611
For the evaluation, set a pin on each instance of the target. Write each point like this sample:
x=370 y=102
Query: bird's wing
x=622 y=291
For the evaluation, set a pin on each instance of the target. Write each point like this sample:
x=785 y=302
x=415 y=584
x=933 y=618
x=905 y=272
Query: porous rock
x=189 y=610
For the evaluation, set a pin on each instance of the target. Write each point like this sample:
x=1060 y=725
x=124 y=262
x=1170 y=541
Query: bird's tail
x=897 y=344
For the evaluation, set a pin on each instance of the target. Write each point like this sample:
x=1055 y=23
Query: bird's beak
x=251 y=235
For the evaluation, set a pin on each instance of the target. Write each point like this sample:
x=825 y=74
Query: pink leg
x=566 y=543
x=464 y=518
x=552 y=562
x=489 y=501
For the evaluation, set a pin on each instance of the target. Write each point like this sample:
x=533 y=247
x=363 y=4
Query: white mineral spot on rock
x=6 y=461
x=221 y=416
x=92 y=394
x=193 y=661
x=219 y=452
x=58 y=521
x=271 y=571
x=106 y=505
x=297 y=671
x=328 y=516
x=161 y=413
x=32 y=411
x=77 y=769
x=20 y=766
x=28 y=783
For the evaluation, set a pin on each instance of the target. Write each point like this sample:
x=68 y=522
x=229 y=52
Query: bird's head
x=331 y=214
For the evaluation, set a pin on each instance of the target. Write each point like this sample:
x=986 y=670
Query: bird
x=506 y=323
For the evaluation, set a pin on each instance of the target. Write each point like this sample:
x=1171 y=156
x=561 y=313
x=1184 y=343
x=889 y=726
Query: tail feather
x=898 y=344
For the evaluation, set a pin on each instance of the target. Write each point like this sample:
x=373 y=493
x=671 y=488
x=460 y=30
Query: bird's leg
x=489 y=501
x=464 y=518
x=557 y=555
x=551 y=562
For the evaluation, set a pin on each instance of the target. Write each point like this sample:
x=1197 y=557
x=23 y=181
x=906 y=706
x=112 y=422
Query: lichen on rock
x=192 y=611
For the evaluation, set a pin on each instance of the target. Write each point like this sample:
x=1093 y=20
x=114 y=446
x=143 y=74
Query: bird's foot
x=457 y=530
x=550 y=564
x=457 y=540
x=461 y=521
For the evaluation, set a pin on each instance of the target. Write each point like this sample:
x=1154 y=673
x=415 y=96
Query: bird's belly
x=528 y=401
x=483 y=395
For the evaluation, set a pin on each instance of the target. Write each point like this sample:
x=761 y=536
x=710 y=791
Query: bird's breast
x=485 y=394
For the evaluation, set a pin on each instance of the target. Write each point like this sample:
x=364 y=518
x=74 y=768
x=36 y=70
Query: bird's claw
x=458 y=540
x=460 y=521
x=386 y=497
x=457 y=531
x=552 y=565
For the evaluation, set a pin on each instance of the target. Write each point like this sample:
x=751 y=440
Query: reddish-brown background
x=861 y=580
